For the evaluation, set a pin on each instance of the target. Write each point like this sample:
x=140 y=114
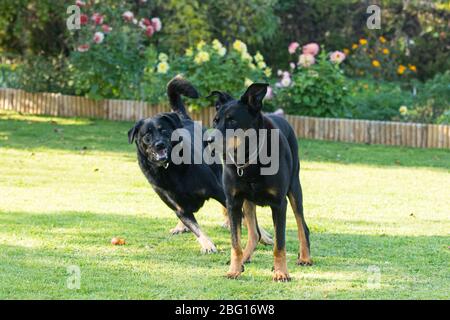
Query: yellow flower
x=382 y=39
x=252 y=65
x=239 y=46
x=262 y=65
x=217 y=44
x=248 y=82
x=200 y=45
x=222 y=51
x=362 y=41
x=412 y=68
x=163 y=67
x=386 y=51
x=346 y=51
x=259 y=57
x=246 y=56
x=403 y=110
x=201 y=57
x=189 y=52
x=163 y=57
x=401 y=69
x=354 y=46
x=13 y=67
x=376 y=63
x=268 y=72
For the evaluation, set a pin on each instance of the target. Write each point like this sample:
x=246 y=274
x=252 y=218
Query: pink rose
x=337 y=57
x=98 y=37
x=144 y=23
x=106 y=28
x=311 y=48
x=150 y=31
x=128 y=16
x=84 y=19
x=83 y=48
x=97 y=18
x=157 y=25
x=293 y=47
x=306 y=60
x=80 y=3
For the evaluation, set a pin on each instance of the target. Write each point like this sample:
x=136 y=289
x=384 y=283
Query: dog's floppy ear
x=133 y=131
x=222 y=98
x=254 y=96
x=173 y=118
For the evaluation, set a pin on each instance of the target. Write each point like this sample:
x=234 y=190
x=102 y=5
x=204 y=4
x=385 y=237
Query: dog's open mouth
x=161 y=155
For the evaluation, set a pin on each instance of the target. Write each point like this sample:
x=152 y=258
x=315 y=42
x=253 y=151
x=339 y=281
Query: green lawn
x=67 y=186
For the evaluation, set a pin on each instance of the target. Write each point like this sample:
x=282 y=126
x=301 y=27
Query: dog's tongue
x=161 y=154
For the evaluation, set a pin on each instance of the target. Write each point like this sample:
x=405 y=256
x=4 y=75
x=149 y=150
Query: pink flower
x=97 y=18
x=306 y=60
x=311 y=48
x=144 y=23
x=269 y=94
x=292 y=65
x=98 y=37
x=157 y=25
x=337 y=57
x=106 y=28
x=286 y=74
x=293 y=47
x=84 y=19
x=128 y=16
x=150 y=31
x=80 y=3
x=83 y=48
x=286 y=82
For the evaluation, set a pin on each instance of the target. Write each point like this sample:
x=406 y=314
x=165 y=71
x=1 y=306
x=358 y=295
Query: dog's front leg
x=234 y=207
x=189 y=221
x=280 y=271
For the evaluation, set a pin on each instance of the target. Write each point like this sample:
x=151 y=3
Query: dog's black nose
x=160 y=145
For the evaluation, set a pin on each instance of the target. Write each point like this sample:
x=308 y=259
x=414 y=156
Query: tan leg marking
x=280 y=272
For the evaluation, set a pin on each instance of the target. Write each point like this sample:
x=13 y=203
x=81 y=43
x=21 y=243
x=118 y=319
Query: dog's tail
x=177 y=87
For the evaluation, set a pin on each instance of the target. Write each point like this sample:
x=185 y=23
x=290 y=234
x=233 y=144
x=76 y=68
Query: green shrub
x=316 y=90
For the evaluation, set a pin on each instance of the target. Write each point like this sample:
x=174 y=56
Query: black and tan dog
x=184 y=187
x=245 y=182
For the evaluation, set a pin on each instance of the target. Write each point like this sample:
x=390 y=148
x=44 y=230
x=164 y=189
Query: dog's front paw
x=207 y=246
x=234 y=274
x=304 y=262
x=280 y=276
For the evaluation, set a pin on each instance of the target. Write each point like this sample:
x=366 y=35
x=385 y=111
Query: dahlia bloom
x=83 y=48
x=239 y=46
x=106 y=28
x=157 y=25
x=337 y=57
x=149 y=31
x=128 y=16
x=98 y=37
x=306 y=60
x=97 y=18
x=80 y=3
x=311 y=48
x=293 y=47
x=162 y=67
x=84 y=19
x=201 y=57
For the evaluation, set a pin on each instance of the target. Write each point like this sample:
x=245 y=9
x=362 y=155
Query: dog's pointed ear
x=222 y=98
x=173 y=118
x=133 y=131
x=254 y=96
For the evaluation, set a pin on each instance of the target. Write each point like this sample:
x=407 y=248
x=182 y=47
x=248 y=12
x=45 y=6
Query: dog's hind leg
x=296 y=200
x=226 y=222
x=280 y=271
x=189 y=221
x=179 y=228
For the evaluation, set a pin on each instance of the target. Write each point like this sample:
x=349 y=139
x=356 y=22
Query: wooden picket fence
x=345 y=130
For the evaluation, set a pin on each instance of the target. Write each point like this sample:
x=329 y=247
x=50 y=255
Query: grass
x=67 y=186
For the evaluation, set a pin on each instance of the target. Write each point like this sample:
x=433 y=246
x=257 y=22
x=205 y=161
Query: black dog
x=183 y=187
x=244 y=182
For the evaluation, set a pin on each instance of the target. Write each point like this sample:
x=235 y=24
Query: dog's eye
x=146 y=139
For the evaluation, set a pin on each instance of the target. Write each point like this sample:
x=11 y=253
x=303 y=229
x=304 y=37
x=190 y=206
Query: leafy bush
x=433 y=101
x=375 y=100
x=211 y=66
x=315 y=88
x=109 y=59
x=377 y=58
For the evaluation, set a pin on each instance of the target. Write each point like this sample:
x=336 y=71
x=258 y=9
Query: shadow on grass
x=49 y=242
x=73 y=134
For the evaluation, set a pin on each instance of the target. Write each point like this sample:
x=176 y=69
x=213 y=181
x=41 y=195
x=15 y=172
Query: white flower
x=222 y=51
x=156 y=22
x=286 y=82
x=163 y=57
x=128 y=16
x=98 y=37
